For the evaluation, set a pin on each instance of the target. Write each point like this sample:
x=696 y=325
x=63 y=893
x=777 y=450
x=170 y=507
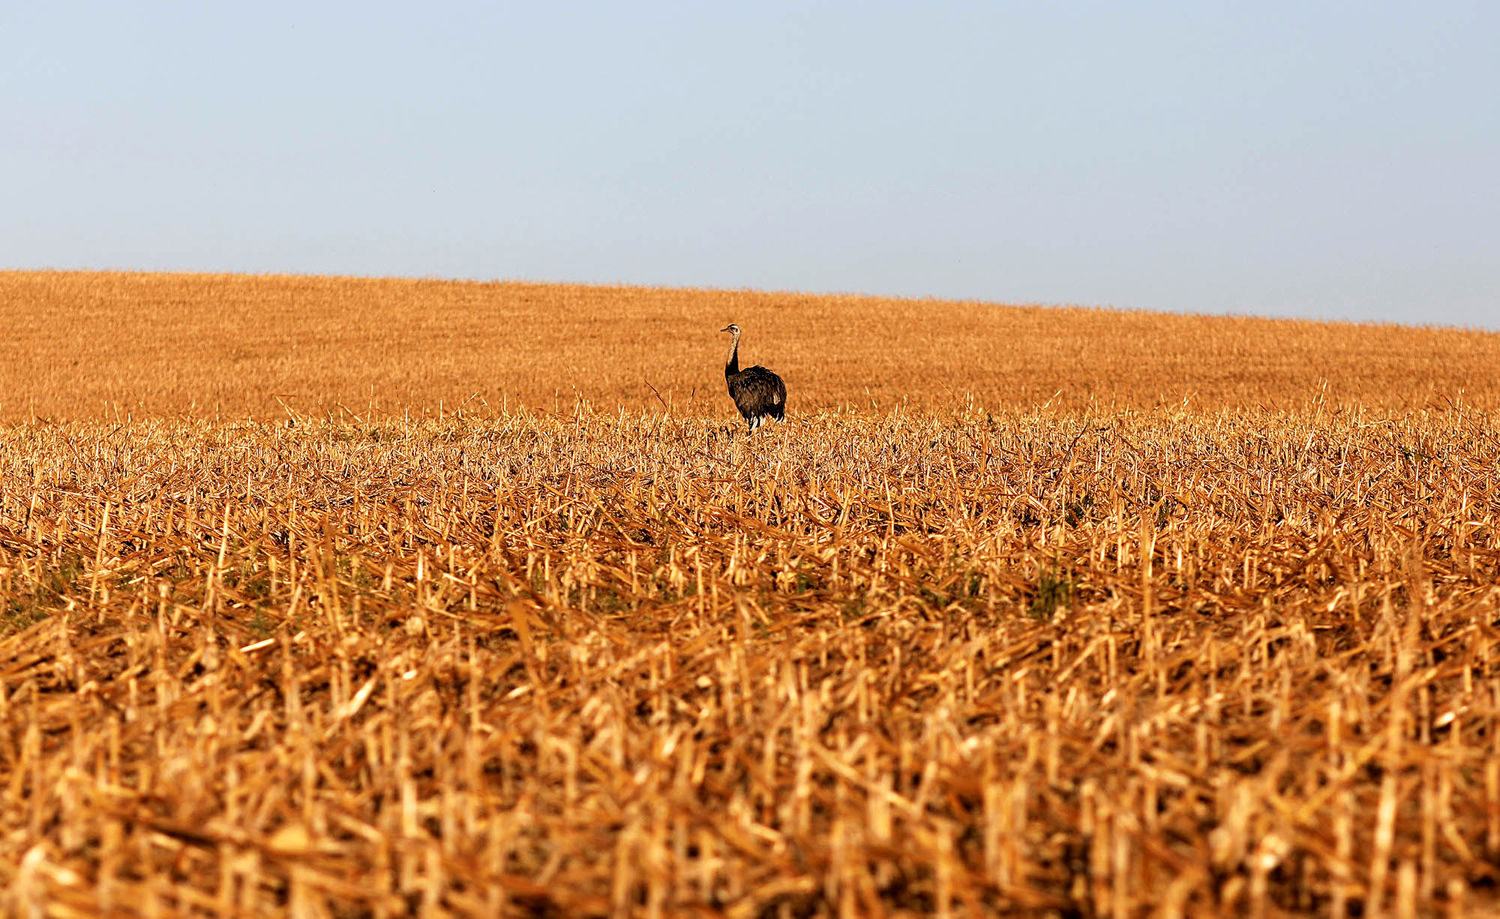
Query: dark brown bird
x=757 y=392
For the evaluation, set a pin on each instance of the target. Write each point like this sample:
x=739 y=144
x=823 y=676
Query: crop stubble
x=116 y=345
x=956 y=659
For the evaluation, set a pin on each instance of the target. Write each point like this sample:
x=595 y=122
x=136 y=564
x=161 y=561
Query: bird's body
x=758 y=393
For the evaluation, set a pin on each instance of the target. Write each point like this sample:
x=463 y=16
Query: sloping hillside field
x=225 y=346
x=342 y=597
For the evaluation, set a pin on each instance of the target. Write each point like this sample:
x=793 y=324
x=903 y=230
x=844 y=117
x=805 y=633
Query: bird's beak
x=725 y=329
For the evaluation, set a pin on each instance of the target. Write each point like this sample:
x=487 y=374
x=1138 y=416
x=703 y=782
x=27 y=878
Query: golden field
x=115 y=345
x=339 y=597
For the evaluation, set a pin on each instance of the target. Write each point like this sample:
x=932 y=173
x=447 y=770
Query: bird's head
x=731 y=328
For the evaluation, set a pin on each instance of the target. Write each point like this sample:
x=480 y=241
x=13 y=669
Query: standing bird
x=757 y=392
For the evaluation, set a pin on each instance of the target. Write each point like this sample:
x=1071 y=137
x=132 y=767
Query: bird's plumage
x=758 y=393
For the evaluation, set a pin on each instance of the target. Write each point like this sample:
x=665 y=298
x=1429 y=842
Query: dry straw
x=1182 y=661
x=1186 y=664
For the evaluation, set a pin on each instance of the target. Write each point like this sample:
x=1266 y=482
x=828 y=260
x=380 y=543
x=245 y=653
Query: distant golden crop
x=336 y=597
x=111 y=345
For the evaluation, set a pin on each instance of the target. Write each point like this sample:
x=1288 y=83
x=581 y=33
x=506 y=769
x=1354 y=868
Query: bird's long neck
x=732 y=366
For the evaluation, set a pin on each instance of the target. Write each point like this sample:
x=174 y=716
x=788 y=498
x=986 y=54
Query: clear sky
x=1297 y=159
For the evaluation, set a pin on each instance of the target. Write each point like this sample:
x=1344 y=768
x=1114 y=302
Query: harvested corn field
x=1067 y=613
x=960 y=665
x=117 y=346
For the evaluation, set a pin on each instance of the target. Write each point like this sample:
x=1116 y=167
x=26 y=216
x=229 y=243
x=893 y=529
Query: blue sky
x=1295 y=159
